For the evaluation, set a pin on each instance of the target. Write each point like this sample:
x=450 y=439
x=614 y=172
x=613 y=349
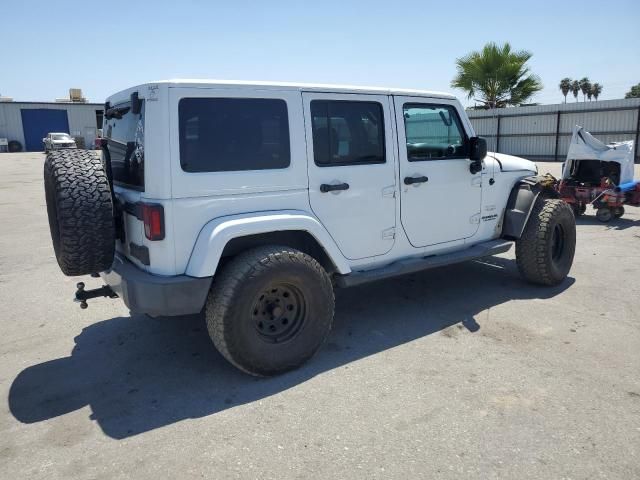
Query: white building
x=29 y=122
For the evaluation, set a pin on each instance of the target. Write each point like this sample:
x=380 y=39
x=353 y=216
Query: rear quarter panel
x=199 y=197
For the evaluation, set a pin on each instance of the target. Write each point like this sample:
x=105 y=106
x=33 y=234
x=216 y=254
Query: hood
x=584 y=146
x=509 y=163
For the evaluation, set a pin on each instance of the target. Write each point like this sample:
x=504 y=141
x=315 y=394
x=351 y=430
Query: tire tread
x=532 y=248
x=222 y=301
x=77 y=185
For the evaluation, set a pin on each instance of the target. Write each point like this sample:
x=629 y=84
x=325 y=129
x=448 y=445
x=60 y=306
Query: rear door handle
x=325 y=187
x=412 y=180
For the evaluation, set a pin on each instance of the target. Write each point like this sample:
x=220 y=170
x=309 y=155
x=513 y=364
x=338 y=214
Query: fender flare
x=520 y=204
x=215 y=235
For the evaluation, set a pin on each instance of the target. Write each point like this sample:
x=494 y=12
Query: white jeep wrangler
x=252 y=201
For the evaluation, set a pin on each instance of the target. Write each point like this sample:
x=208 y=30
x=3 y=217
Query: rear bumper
x=156 y=295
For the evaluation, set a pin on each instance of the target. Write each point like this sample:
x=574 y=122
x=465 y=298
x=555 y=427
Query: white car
x=58 y=141
x=251 y=201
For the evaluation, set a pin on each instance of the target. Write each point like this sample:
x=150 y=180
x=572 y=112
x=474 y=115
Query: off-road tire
x=539 y=256
x=80 y=209
x=232 y=316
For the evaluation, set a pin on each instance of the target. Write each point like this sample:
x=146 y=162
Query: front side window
x=433 y=132
x=347 y=133
x=233 y=134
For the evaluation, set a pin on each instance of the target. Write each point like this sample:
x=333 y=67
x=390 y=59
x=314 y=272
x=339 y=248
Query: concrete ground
x=461 y=372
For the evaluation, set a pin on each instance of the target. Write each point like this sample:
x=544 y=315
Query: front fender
x=217 y=233
x=521 y=201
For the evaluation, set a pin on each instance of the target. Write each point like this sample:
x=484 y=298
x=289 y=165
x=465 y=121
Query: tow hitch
x=83 y=295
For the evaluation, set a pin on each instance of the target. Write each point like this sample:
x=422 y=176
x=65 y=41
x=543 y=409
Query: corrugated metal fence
x=543 y=132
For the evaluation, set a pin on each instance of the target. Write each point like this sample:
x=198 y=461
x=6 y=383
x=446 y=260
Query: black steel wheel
x=557 y=242
x=279 y=312
x=270 y=309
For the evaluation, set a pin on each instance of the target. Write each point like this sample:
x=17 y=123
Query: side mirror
x=477 y=152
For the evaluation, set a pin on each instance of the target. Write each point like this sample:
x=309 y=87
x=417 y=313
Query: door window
x=433 y=132
x=347 y=133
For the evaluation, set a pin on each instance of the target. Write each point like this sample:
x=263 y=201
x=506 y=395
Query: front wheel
x=270 y=309
x=545 y=251
x=579 y=209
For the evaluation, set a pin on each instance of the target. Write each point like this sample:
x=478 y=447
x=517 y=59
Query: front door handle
x=412 y=180
x=325 y=187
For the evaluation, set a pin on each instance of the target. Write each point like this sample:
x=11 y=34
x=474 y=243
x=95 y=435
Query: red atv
x=598 y=174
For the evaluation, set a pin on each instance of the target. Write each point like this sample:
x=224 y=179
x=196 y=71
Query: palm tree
x=496 y=76
x=565 y=87
x=590 y=92
x=634 y=92
x=585 y=86
x=596 y=90
x=575 y=88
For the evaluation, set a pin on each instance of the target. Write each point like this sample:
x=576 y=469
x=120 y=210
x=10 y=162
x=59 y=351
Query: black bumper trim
x=156 y=295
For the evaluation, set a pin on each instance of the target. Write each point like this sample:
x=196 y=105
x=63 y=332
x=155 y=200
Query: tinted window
x=124 y=132
x=346 y=133
x=433 y=132
x=230 y=134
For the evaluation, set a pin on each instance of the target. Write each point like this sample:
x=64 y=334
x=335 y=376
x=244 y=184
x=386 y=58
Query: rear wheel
x=545 y=251
x=270 y=309
x=618 y=211
x=604 y=214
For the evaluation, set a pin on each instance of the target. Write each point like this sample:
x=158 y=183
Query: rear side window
x=232 y=134
x=124 y=132
x=433 y=132
x=347 y=133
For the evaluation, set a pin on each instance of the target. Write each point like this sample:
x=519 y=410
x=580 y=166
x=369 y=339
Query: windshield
x=60 y=136
x=124 y=131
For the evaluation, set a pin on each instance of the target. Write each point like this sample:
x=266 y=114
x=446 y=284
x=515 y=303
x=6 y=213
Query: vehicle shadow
x=141 y=373
x=613 y=224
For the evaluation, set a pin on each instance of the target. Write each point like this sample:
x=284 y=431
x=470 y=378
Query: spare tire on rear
x=80 y=209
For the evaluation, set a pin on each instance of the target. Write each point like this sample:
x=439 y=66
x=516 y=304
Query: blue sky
x=48 y=47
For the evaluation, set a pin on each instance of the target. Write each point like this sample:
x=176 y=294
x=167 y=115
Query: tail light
x=153 y=218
